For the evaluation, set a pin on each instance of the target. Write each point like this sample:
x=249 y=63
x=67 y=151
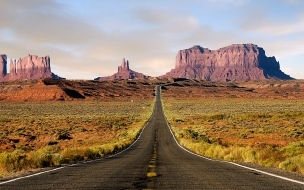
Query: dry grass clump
x=264 y=132
x=19 y=160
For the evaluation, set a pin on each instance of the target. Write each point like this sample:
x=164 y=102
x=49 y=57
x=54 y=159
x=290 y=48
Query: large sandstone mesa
x=30 y=67
x=124 y=72
x=237 y=62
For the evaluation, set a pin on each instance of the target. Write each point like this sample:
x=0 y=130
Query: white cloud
x=148 y=36
x=273 y=27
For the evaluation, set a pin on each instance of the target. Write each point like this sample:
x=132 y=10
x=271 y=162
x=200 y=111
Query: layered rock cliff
x=237 y=62
x=124 y=72
x=29 y=67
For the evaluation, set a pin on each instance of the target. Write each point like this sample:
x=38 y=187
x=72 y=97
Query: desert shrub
x=215 y=151
x=44 y=160
x=215 y=117
x=190 y=134
x=243 y=136
x=178 y=120
x=98 y=151
x=234 y=154
x=85 y=153
x=250 y=130
x=81 y=129
x=291 y=114
x=5 y=120
x=293 y=149
x=45 y=157
x=255 y=116
x=204 y=138
x=77 y=154
x=249 y=155
x=294 y=164
x=295 y=134
x=14 y=161
x=58 y=159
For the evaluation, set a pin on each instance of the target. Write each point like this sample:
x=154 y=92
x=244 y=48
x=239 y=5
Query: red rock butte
x=29 y=67
x=237 y=62
x=124 y=72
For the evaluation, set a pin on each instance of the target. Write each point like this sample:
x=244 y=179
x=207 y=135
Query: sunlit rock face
x=237 y=62
x=124 y=72
x=29 y=67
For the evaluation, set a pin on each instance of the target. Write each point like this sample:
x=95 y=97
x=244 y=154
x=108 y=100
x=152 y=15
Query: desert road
x=154 y=161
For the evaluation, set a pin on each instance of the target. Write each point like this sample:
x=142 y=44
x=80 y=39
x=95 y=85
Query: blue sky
x=88 y=38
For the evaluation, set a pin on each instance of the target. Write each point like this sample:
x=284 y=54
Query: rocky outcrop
x=3 y=62
x=124 y=72
x=237 y=62
x=29 y=67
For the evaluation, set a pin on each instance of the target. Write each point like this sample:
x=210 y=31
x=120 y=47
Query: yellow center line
x=152 y=164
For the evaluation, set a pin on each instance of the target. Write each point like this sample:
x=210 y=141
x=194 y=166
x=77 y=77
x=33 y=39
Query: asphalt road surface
x=155 y=161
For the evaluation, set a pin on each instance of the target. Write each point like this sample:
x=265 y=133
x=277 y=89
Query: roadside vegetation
x=265 y=132
x=35 y=135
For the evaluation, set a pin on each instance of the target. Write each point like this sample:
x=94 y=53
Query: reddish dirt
x=269 y=89
x=118 y=90
x=291 y=90
x=53 y=90
x=126 y=90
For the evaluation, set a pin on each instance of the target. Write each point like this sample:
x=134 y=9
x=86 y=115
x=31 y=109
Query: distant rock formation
x=3 y=62
x=30 y=67
x=124 y=72
x=237 y=62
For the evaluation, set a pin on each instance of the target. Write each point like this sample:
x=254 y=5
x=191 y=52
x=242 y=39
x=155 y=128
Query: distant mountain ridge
x=237 y=62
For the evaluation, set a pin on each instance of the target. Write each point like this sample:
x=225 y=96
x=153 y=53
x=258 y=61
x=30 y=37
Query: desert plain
x=49 y=122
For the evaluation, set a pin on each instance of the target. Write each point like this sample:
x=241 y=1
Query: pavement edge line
x=71 y=165
x=233 y=163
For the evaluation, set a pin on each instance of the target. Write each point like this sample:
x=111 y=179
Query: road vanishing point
x=154 y=161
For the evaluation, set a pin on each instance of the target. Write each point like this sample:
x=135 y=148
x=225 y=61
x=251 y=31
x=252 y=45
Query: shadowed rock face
x=238 y=62
x=30 y=67
x=3 y=62
x=124 y=72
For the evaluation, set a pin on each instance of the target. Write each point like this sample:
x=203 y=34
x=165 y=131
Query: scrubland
x=35 y=135
x=260 y=122
x=268 y=132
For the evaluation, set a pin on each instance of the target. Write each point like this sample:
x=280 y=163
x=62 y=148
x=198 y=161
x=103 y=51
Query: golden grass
x=264 y=132
x=52 y=134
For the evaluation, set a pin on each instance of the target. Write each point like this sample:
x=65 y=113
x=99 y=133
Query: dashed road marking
x=71 y=165
x=152 y=164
